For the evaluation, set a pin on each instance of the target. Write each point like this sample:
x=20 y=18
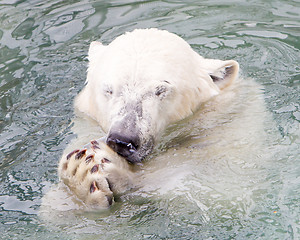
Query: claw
x=93 y=187
x=89 y=158
x=94 y=142
x=105 y=160
x=80 y=154
x=71 y=153
x=94 y=147
x=110 y=186
x=95 y=168
x=110 y=200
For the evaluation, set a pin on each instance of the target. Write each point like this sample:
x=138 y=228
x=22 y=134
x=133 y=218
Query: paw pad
x=84 y=172
x=94 y=174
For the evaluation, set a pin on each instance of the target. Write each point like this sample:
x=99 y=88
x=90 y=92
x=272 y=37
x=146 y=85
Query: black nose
x=125 y=144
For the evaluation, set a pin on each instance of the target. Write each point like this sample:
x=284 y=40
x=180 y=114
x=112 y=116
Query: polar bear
x=136 y=86
x=142 y=82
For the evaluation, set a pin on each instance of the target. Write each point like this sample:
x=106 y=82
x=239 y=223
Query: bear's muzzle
x=125 y=143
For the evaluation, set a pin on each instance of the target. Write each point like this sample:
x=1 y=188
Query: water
x=252 y=194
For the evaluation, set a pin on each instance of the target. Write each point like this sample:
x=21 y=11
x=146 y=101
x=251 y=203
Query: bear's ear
x=223 y=73
x=95 y=50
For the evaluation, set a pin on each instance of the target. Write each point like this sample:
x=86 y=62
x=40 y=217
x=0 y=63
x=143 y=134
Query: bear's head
x=145 y=80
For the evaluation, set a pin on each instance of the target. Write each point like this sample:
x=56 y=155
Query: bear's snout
x=125 y=143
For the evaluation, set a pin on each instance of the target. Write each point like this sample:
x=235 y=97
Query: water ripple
x=43 y=47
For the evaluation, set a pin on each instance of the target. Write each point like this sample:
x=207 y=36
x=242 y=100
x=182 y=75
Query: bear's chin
x=134 y=158
x=141 y=154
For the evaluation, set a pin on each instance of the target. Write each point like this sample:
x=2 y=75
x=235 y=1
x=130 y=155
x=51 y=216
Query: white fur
x=134 y=64
x=128 y=72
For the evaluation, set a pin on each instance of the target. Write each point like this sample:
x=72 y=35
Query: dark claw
x=80 y=154
x=109 y=184
x=105 y=160
x=93 y=187
x=94 y=147
x=71 y=153
x=110 y=200
x=95 y=168
x=89 y=158
x=94 y=142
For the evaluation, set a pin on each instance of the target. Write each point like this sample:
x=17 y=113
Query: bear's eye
x=108 y=91
x=161 y=91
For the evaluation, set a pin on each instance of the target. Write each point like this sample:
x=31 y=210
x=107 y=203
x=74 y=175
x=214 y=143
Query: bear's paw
x=94 y=174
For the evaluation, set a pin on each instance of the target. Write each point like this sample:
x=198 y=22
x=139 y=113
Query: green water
x=43 y=47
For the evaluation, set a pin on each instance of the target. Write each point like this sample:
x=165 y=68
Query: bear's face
x=135 y=115
x=145 y=80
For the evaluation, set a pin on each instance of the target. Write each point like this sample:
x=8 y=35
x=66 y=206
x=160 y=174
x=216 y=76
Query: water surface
x=43 y=47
